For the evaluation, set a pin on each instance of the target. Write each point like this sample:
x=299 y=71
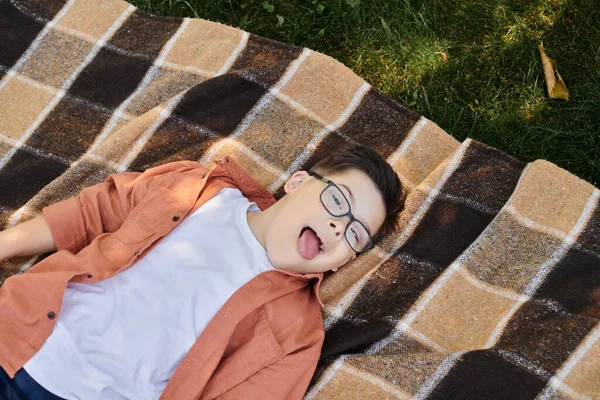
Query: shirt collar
x=249 y=186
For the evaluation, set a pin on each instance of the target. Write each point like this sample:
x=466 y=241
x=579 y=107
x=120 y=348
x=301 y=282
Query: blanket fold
x=488 y=288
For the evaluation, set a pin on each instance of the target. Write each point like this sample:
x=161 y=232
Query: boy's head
x=309 y=231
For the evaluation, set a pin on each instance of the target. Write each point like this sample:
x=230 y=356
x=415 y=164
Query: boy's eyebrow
x=353 y=204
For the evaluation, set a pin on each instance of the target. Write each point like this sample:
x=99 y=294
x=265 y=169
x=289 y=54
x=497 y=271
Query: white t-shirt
x=123 y=338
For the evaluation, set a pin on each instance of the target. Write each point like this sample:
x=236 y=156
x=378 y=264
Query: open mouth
x=309 y=243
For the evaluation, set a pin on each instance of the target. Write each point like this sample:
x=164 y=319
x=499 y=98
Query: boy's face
x=290 y=247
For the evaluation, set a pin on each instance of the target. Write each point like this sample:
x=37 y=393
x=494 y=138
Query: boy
x=222 y=301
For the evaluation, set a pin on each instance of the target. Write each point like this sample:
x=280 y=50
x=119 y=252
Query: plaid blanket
x=490 y=286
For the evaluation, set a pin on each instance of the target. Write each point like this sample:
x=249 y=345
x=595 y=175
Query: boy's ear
x=296 y=179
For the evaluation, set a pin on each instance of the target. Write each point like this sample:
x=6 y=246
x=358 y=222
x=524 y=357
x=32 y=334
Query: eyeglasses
x=336 y=203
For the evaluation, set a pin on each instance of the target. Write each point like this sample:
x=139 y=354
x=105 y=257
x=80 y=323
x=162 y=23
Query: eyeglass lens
x=335 y=202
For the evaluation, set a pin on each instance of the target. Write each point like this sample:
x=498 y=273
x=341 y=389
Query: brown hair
x=381 y=173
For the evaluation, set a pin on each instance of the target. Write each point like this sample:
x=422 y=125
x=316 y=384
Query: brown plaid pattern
x=489 y=288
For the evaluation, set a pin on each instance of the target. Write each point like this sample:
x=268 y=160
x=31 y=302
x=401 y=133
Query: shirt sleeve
x=286 y=379
x=76 y=221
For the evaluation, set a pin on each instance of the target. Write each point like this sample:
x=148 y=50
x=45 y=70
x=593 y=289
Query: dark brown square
x=264 y=60
x=17 y=32
x=176 y=139
x=537 y=327
x=145 y=34
x=110 y=78
x=380 y=123
x=69 y=129
x=485 y=176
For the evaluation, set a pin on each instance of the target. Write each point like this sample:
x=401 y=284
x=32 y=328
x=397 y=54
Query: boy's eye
x=337 y=202
x=355 y=235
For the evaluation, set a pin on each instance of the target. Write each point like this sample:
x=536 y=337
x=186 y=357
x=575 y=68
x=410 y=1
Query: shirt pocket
x=147 y=218
x=252 y=347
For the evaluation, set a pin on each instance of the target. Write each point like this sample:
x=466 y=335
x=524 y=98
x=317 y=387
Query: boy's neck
x=259 y=222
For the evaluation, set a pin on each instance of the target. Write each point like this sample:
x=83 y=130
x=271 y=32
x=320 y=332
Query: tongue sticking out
x=308 y=243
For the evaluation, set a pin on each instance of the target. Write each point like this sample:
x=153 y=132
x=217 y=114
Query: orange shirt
x=264 y=342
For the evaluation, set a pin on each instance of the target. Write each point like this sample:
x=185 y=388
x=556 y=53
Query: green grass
x=490 y=84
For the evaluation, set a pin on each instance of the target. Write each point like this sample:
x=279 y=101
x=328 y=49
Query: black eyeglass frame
x=349 y=213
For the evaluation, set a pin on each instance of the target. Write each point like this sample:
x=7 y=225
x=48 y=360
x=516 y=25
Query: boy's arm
x=74 y=222
x=30 y=237
x=71 y=224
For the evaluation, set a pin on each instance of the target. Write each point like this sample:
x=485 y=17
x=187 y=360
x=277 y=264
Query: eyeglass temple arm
x=313 y=173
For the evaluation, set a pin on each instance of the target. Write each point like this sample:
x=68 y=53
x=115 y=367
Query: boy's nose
x=338 y=227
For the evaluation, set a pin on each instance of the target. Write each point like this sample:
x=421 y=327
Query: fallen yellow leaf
x=556 y=86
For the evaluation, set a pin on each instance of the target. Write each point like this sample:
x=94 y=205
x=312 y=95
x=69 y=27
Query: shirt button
x=50 y=315
x=176 y=218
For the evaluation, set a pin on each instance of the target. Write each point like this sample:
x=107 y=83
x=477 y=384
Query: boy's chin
x=296 y=263
x=283 y=262
x=300 y=266
x=311 y=268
